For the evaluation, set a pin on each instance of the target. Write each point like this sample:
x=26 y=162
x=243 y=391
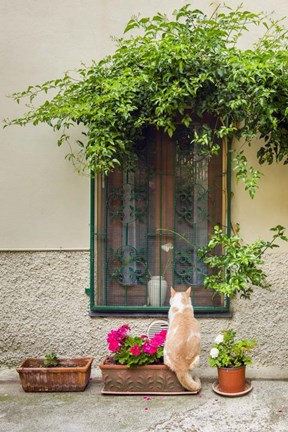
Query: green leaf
x=189 y=65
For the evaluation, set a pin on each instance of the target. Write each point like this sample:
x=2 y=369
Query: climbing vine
x=166 y=70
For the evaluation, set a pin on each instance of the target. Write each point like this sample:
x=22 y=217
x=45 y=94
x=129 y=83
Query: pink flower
x=117 y=337
x=123 y=330
x=113 y=345
x=159 y=338
x=135 y=350
x=149 y=348
x=113 y=341
x=112 y=336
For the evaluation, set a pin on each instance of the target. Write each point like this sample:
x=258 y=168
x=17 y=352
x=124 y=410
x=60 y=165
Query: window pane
x=174 y=188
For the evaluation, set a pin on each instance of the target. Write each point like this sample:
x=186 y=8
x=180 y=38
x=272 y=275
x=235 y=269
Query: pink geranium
x=113 y=345
x=159 y=338
x=116 y=337
x=135 y=350
x=123 y=330
x=149 y=347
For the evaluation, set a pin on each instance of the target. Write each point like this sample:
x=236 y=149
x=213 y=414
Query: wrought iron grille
x=174 y=189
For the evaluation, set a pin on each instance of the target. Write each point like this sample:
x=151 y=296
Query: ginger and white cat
x=182 y=345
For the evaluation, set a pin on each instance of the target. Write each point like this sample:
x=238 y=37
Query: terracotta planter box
x=140 y=380
x=70 y=375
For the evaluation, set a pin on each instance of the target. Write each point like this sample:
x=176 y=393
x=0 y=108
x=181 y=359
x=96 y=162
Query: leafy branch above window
x=175 y=68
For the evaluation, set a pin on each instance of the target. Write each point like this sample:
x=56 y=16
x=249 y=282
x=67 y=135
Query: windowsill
x=155 y=314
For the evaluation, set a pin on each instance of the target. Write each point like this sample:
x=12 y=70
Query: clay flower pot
x=232 y=380
x=69 y=375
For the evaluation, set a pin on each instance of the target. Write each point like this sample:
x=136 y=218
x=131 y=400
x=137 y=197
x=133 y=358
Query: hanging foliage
x=176 y=68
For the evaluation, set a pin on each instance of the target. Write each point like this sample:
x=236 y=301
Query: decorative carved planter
x=70 y=375
x=140 y=380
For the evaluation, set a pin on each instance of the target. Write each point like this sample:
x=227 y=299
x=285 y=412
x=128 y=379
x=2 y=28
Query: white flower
x=214 y=352
x=219 y=339
x=167 y=247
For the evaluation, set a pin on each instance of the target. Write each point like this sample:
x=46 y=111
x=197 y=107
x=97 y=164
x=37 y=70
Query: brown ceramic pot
x=232 y=380
x=69 y=375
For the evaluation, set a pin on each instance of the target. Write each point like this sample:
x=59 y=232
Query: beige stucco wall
x=45 y=309
x=45 y=205
x=268 y=208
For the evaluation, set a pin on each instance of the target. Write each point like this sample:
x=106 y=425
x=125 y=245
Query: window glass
x=174 y=189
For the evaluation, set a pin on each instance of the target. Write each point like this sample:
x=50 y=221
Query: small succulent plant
x=51 y=360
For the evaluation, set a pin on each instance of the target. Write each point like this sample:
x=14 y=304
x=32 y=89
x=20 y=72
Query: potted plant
x=51 y=374
x=231 y=356
x=136 y=365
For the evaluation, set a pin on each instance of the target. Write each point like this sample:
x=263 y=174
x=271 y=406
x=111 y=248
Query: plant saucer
x=216 y=388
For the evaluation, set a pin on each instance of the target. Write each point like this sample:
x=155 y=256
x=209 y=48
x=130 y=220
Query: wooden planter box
x=70 y=375
x=140 y=380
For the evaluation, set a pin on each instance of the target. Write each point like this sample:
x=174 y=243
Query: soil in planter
x=39 y=363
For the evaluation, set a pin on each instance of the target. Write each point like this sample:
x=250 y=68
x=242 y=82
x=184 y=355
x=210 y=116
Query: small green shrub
x=51 y=360
x=238 y=268
x=226 y=352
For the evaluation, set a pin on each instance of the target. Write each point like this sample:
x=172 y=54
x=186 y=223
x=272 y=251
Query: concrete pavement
x=264 y=409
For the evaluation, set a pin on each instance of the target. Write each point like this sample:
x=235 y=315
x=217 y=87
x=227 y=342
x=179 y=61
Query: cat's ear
x=173 y=292
x=188 y=291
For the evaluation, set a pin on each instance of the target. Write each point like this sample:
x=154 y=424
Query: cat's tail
x=186 y=380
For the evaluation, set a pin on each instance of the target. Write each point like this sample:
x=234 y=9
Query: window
x=174 y=189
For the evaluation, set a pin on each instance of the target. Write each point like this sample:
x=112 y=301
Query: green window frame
x=134 y=216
